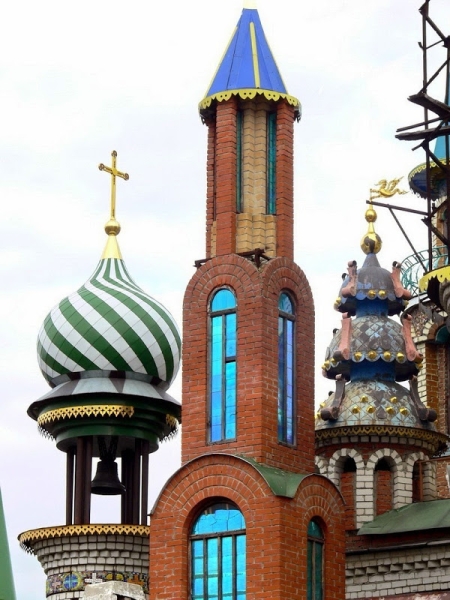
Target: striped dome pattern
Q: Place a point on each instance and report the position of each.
(110, 324)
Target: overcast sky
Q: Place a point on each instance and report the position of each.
(81, 79)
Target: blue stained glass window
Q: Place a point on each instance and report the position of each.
(222, 409)
(271, 163)
(315, 562)
(286, 372)
(218, 554)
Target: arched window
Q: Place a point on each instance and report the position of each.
(218, 554)
(286, 414)
(222, 406)
(315, 562)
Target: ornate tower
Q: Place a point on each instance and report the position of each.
(7, 590)
(246, 510)
(373, 435)
(109, 353)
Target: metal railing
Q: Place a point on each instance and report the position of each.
(412, 267)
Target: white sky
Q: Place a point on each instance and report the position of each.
(81, 79)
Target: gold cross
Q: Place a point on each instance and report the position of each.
(114, 173)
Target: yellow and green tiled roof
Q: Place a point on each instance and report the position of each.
(109, 324)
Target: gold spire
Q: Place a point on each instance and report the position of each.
(112, 227)
(371, 242)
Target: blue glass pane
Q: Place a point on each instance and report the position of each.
(216, 378)
(223, 300)
(212, 545)
(219, 518)
(309, 572)
(230, 336)
(227, 568)
(241, 567)
(281, 377)
(285, 304)
(230, 400)
(289, 392)
(197, 570)
(318, 548)
(314, 530)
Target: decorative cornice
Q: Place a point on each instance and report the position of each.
(442, 274)
(433, 437)
(249, 94)
(28, 538)
(93, 410)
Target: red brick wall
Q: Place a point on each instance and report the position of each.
(285, 180)
(257, 293)
(210, 183)
(383, 492)
(348, 493)
(275, 526)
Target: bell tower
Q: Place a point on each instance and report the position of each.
(246, 497)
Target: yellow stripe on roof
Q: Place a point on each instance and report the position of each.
(255, 56)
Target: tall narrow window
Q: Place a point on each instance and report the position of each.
(218, 554)
(271, 208)
(222, 409)
(315, 562)
(239, 157)
(286, 414)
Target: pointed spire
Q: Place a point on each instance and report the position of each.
(248, 67)
(7, 591)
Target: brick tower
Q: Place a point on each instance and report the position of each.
(246, 516)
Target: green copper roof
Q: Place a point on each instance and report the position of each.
(7, 591)
(109, 324)
(282, 483)
(413, 517)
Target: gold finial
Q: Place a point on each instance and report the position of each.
(371, 242)
(112, 227)
(249, 3)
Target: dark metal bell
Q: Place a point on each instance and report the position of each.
(106, 481)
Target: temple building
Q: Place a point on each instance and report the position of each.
(274, 499)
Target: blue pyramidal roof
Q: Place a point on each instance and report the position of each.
(248, 67)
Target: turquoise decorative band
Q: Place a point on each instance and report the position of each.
(75, 581)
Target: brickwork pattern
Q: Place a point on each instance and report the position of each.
(92, 553)
(398, 484)
(257, 293)
(275, 527)
(402, 571)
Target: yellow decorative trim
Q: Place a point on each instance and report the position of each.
(435, 438)
(255, 56)
(94, 410)
(172, 421)
(27, 538)
(442, 274)
(248, 94)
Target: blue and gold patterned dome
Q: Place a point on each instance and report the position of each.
(248, 68)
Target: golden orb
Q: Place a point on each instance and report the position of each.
(372, 354)
(394, 399)
(371, 215)
(364, 399)
(112, 227)
(382, 294)
(357, 356)
(387, 355)
(326, 365)
(372, 294)
(355, 409)
(400, 356)
(403, 411)
(390, 410)
(370, 409)
(337, 301)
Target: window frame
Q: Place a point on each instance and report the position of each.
(313, 542)
(224, 361)
(282, 405)
(234, 534)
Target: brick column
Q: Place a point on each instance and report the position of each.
(285, 180)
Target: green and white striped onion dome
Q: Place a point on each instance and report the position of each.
(110, 324)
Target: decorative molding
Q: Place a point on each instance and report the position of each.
(28, 538)
(93, 410)
(75, 581)
(248, 94)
